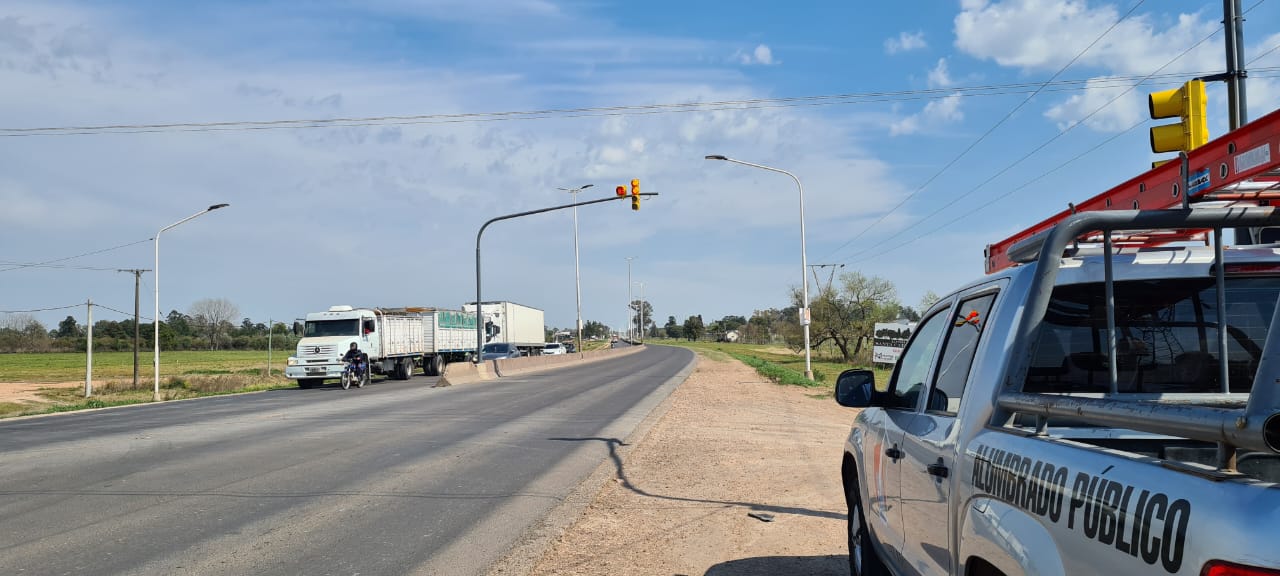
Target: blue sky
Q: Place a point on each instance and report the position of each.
(387, 214)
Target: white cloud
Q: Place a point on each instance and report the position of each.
(762, 55)
(939, 77)
(1047, 34)
(905, 42)
(935, 114)
(1110, 116)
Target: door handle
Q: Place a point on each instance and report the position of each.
(893, 452)
(937, 470)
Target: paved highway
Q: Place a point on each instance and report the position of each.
(395, 478)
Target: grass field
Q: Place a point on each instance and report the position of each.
(66, 367)
(776, 362)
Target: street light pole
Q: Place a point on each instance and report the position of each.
(804, 259)
(577, 277)
(155, 396)
(630, 302)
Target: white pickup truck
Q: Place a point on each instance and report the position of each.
(394, 340)
(1105, 401)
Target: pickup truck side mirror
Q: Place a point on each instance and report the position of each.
(855, 388)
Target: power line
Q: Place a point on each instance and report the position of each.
(46, 262)
(41, 309)
(989, 131)
(59, 266)
(1037, 149)
(128, 314)
(747, 104)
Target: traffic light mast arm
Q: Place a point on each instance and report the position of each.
(480, 234)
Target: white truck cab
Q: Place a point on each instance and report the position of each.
(392, 341)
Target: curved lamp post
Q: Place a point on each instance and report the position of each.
(156, 320)
(804, 260)
(577, 277)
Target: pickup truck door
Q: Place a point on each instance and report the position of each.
(886, 472)
(929, 442)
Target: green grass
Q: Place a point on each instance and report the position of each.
(778, 363)
(66, 367)
(184, 375)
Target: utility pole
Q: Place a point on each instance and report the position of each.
(88, 346)
(1237, 102)
(137, 334)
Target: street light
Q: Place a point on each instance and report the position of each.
(804, 260)
(577, 277)
(156, 320)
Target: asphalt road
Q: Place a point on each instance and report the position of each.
(396, 478)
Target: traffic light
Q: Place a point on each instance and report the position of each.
(1187, 103)
(635, 194)
(621, 191)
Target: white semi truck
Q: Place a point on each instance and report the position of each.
(513, 323)
(450, 337)
(393, 339)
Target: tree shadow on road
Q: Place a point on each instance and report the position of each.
(833, 565)
(614, 444)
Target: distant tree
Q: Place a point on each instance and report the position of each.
(731, 323)
(694, 328)
(179, 324)
(643, 316)
(68, 328)
(672, 328)
(927, 300)
(908, 313)
(846, 314)
(593, 329)
(212, 319)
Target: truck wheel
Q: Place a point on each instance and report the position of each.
(403, 367)
(437, 365)
(306, 383)
(863, 559)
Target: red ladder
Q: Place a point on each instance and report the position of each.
(1241, 166)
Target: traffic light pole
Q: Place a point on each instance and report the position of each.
(479, 315)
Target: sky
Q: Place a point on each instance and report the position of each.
(921, 132)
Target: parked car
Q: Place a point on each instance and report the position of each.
(499, 351)
(553, 348)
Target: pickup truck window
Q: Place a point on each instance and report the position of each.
(957, 356)
(1167, 336)
(914, 364)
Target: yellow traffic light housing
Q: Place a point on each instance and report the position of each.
(1187, 103)
(635, 194)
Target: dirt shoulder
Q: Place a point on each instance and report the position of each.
(730, 444)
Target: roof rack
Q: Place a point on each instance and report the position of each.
(1242, 167)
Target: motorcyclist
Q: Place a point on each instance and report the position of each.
(355, 356)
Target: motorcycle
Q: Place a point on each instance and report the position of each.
(354, 373)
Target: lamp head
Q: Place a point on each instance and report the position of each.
(217, 206)
(717, 157)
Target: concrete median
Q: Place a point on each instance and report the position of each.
(466, 372)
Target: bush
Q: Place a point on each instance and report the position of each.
(776, 373)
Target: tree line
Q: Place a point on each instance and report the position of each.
(208, 324)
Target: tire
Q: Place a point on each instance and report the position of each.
(308, 383)
(363, 379)
(404, 369)
(437, 365)
(347, 377)
(863, 558)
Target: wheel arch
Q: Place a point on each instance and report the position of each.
(998, 539)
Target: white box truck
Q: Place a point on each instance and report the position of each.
(513, 323)
(394, 339)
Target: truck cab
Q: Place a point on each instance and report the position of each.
(326, 337)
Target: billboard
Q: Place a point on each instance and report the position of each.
(889, 340)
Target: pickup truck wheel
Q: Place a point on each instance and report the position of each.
(863, 560)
